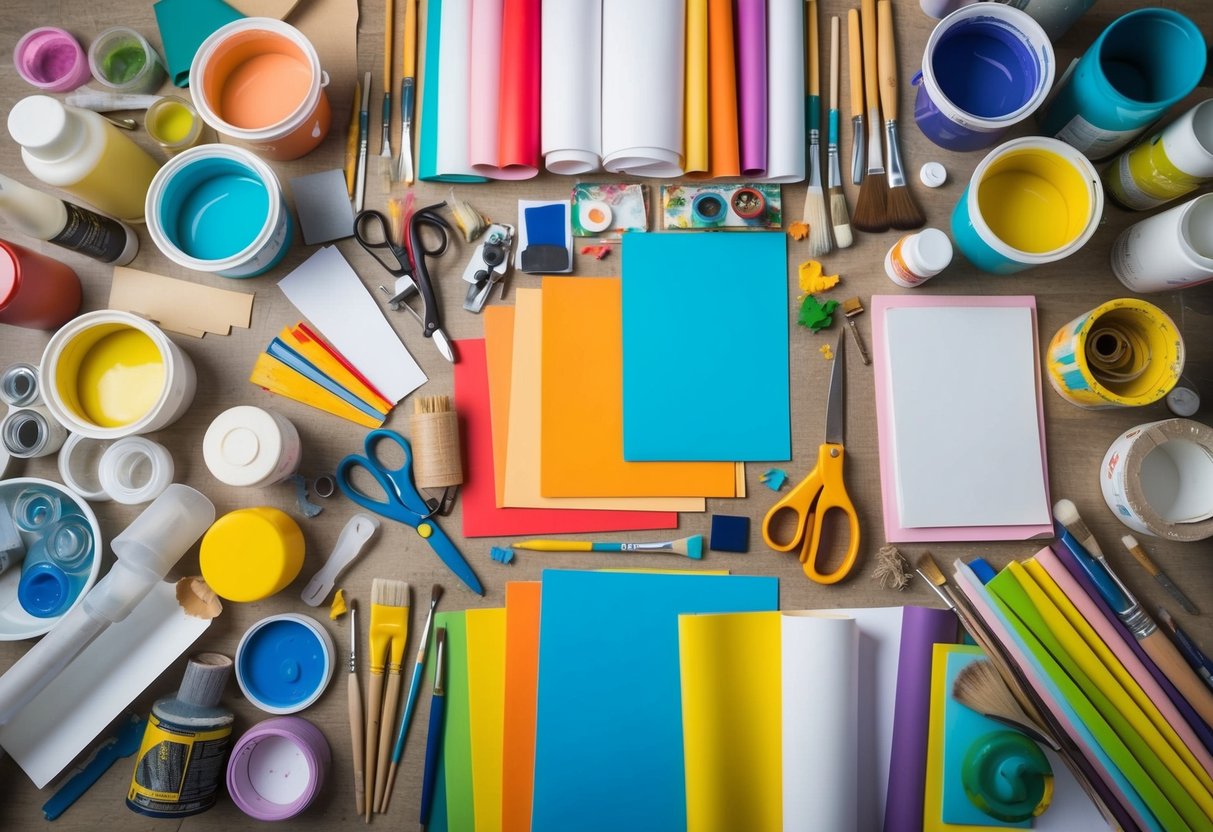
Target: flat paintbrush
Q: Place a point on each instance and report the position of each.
(870, 208)
(357, 738)
(364, 117)
(386, 635)
(852, 307)
(408, 93)
(385, 140)
(1151, 567)
(901, 210)
(839, 213)
(855, 63)
(815, 216)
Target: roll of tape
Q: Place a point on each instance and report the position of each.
(135, 470)
(80, 466)
(1158, 479)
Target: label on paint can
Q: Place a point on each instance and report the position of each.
(1145, 178)
(92, 234)
(1094, 142)
(177, 771)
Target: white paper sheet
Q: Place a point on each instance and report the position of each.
(643, 64)
(47, 734)
(326, 290)
(786, 91)
(965, 428)
(571, 95)
(820, 721)
(454, 52)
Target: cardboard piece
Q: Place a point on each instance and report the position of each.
(323, 206)
(180, 306)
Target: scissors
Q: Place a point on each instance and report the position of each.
(822, 490)
(408, 264)
(403, 502)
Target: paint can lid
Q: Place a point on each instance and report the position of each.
(933, 174)
(251, 553)
(243, 445)
(284, 662)
(1183, 401)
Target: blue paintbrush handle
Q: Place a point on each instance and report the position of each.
(432, 745)
(1104, 582)
(812, 112)
(409, 705)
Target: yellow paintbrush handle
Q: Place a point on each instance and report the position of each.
(555, 545)
(408, 56)
(388, 25)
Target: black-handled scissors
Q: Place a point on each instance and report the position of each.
(408, 264)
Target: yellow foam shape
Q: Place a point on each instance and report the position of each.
(1034, 200)
(486, 704)
(273, 375)
(732, 721)
(297, 339)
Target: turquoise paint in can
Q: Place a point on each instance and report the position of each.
(220, 209)
(1140, 65)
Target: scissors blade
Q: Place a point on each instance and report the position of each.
(443, 344)
(836, 399)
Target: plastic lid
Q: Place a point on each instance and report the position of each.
(44, 591)
(242, 446)
(932, 250)
(10, 274)
(1007, 776)
(44, 127)
(933, 174)
(284, 663)
(251, 553)
(1183, 401)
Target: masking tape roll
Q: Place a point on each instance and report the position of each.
(1124, 353)
(436, 458)
(1158, 479)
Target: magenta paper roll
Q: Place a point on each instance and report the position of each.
(921, 629)
(752, 85)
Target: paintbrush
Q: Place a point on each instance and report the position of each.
(364, 118)
(839, 212)
(852, 307)
(691, 547)
(352, 138)
(433, 740)
(855, 61)
(388, 630)
(408, 91)
(870, 208)
(411, 702)
(1131, 613)
(385, 141)
(355, 702)
(901, 210)
(815, 216)
(980, 687)
(1191, 651)
(1151, 567)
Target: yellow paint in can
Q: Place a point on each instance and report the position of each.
(1034, 200)
(172, 123)
(111, 375)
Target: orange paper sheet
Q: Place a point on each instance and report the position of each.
(521, 693)
(499, 349)
(582, 438)
(722, 91)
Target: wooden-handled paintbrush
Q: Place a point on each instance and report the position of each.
(839, 213)
(389, 628)
(870, 207)
(815, 216)
(855, 62)
(901, 210)
(354, 695)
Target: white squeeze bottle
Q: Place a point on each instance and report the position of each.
(64, 224)
(82, 153)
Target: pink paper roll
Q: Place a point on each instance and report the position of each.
(752, 86)
(484, 72)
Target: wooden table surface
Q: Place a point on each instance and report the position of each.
(1076, 438)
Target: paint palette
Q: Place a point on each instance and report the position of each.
(720, 206)
(15, 622)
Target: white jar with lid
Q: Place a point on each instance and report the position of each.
(249, 446)
(916, 258)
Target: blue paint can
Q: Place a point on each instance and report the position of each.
(986, 67)
(218, 208)
(1140, 65)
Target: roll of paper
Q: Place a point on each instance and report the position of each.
(722, 88)
(451, 139)
(484, 82)
(518, 93)
(697, 155)
(571, 35)
(752, 77)
(785, 91)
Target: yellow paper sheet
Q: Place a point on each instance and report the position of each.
(932, 803)
(499, 354)
(486, 702)
(697, 87)
(273, 375)
(180, 305)
(582, 439)
(298, 340)
(731, 707)
(523, 451)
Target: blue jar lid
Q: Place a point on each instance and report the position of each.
(44, 590)
(284, 663)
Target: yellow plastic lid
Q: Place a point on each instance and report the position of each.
(251, 553)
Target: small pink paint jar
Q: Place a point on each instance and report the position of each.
(51, 59)
(278, 768)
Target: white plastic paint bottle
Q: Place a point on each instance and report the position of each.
(916, 258)
(78, 229)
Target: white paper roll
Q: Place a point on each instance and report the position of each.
(786, 91)
(643, 64)
(454, 51)
(820, 721)
(571, 93)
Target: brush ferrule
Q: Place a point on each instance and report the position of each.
(835, 174)
(385, 148)
(896, 173)
(664, 546)
(857, 165)
(875, 143)
(1138, 621)
(814, 158)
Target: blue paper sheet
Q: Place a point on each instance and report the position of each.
(608, 738)
(705, 347)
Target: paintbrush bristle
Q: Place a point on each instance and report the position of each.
(692, 546)
(929, 569)
(818, 220)
(980, 687)
(435, 595)
(841, 215)
(1066, 513)
(870, 207)
(903, 213)
(852, 307)
(1130, 542)
(389, 593)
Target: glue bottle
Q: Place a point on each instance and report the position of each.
(183, 756)
(82, 153)
(916, 258)
(64, 224)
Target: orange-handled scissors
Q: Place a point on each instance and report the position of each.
(823, 490)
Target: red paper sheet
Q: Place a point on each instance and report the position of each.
(481, 517)
(518, 130)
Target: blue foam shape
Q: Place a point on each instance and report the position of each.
(546, 225)
(730, 533)
(608, 737)
(705, 347)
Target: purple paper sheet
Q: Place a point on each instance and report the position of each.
(752, 85)
(921, 629)
(1067, 557)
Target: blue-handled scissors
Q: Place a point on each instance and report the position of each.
(403, 502)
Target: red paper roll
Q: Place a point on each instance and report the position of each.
(518, 131)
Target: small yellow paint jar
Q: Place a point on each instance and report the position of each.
(251, 553)
(174, 124)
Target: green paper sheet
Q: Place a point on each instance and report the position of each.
(457, 732)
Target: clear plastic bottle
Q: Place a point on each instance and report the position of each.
(48, 218)
(82, 153)
(57, 567)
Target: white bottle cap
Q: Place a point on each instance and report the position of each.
(44, 127)
(933, 174)
(930, 250)
(1183, 401)
(245, 446)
